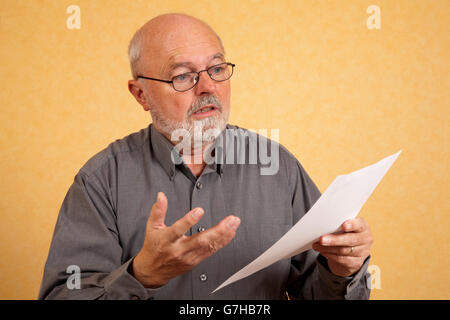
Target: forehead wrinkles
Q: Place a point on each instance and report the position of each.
(190, 53)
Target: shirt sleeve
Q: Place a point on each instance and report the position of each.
(310, 277)
(85, 257)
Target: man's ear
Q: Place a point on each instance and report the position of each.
(137, 91)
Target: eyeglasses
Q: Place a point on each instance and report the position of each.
(186, 81)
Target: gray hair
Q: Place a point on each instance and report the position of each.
(134, 51)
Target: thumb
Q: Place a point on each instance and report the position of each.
(158, 212)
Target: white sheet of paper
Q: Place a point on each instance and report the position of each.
(342, 200)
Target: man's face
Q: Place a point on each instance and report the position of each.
(191, 47)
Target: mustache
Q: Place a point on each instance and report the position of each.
(204, 101)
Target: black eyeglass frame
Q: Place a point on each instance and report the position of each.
(198, 75)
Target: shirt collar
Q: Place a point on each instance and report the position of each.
(169, 157)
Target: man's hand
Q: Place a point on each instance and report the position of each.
(167, 252)
(347, 251)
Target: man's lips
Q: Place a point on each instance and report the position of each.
(205, 111)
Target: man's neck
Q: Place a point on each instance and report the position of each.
(196, 169)
(195, 161)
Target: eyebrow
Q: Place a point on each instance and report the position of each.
(190, 64)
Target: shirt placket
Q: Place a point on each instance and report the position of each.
(201, 275)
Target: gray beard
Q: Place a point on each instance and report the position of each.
(197, 137)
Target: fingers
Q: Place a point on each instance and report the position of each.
(354, 240)
(167, 252)
(207, 242)
(347, 249)
(353, 251)
(355, 225)
(158, 212)
(181, 226)
(345, 239)
(356, 233)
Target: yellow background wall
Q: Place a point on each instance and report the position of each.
(343, 97)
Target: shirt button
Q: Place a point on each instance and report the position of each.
(199, 185)
(201, 229)
(203, 277)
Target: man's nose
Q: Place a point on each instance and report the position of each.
(205, 84)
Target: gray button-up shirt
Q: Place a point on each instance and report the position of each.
(101, 224)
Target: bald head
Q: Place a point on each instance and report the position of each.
(164, 34)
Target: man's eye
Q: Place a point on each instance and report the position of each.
(218, 69)
(181, 77)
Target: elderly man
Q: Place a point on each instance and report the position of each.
(144, 220)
